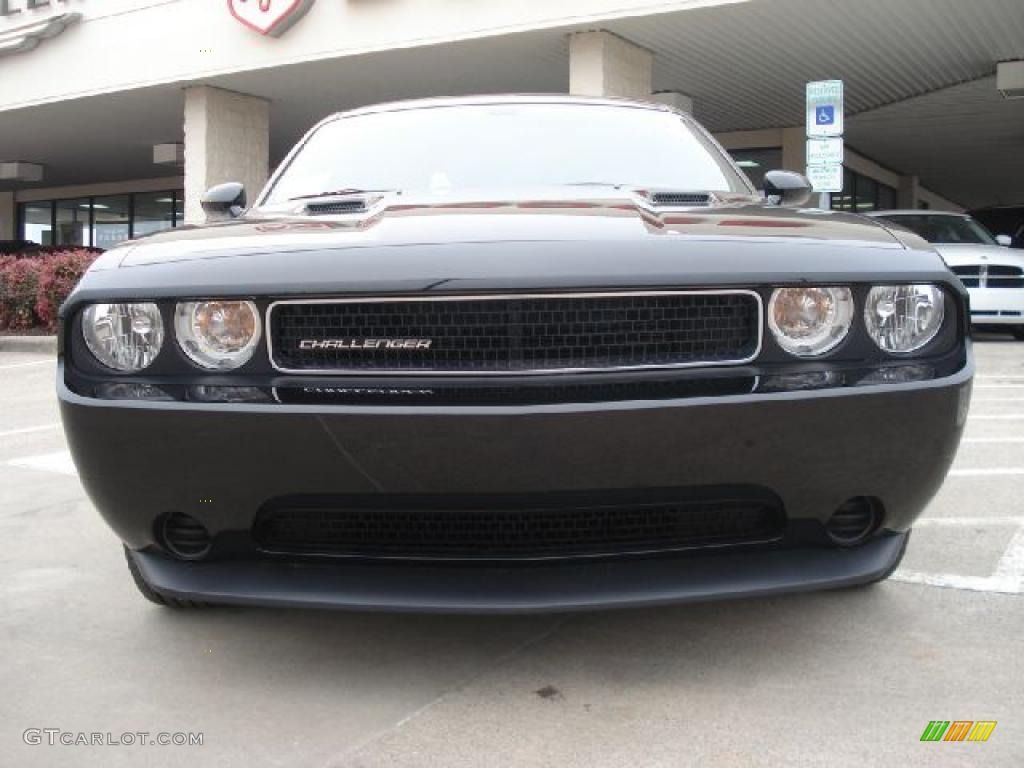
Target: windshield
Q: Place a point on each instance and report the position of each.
(443, 149)
(944, 229)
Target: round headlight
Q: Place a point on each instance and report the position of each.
(219, 335)
(810, 321)
(125, 337)
(903, 318)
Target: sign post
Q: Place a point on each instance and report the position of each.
(825, 124)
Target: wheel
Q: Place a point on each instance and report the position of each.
(151, 594)
(895, 564)
(1018, 332)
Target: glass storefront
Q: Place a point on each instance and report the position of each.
(72, 222)
(862, 193)
(111, 217)
(154, 211)
(36, 222)
(757, 162)
(100, 222)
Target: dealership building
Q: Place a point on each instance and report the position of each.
(115, 115)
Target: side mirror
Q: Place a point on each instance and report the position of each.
(225, 199)
(1004, 240)
(788, 188)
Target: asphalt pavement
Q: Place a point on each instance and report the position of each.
(851, 677)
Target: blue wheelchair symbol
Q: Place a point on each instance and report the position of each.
(825, 115)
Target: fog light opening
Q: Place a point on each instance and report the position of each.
(854, 520)
(184, 536)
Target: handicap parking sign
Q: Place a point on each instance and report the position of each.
(825, 108)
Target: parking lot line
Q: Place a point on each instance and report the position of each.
(59, 462)
(1002, 520)
(993, 440)
(986, 471)
(995, 416)
(26, 365)
(29, 430)
(1008, 576)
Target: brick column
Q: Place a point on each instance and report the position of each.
(227, 138)
(7, 222)
(603, 64)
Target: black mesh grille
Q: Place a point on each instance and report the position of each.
(681, 198)
(518, 334)
(479, 532)
(336, 207)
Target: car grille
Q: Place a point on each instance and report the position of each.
(502, 334)
(990, 276)
(571, 391)
(482, 528)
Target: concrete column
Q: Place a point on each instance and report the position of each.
(794, 149)
(227, 138)
(603, 64)
(7, 210)
(909, 192)
(675, 99)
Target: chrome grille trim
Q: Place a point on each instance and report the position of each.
(511, 296)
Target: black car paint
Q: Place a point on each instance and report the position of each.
(222, 462)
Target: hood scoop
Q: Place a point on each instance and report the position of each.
(681, 199)
(335, 207)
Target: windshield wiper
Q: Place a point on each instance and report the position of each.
(339, 193)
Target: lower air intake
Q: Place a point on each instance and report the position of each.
(506, 528)
(184, 536)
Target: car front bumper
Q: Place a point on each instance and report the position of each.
(221, 463)
(997, 306)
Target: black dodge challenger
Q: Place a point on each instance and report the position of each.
(513, 354)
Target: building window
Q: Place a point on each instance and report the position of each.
(154, 212)
(862, 194)
(36, 223)
(73, 223)
(100, 222)
(756, 162)
(111, 220)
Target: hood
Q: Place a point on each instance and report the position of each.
(549, 215)
(964, 254)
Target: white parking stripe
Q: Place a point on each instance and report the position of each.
(993, 440)
(1008, 576)
(991, 471)
(967, 521)
(1007, 579)
(59, 462)
(999, 386)
(997, 400)
(26, 365)
(995, 416)
(996, 377)
(29, 430)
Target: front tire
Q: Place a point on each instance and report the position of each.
(153, 595)
(1018, 332)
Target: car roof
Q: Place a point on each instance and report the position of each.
(504, 98)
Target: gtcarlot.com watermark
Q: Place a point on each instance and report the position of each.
(56, 737)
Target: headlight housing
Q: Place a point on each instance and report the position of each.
(217, 334)
(810, 321)
(125, 337)
(903, 318)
